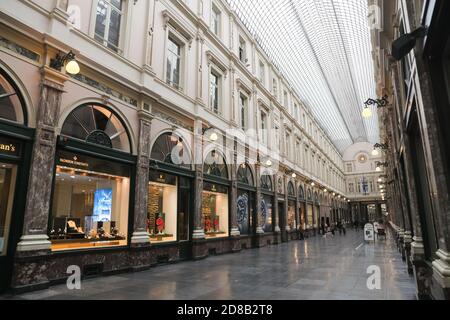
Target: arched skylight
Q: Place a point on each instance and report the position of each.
(323, 48)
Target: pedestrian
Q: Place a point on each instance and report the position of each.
(339, 226)
(343, 229)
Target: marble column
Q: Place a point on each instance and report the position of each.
(140, 233)
(37, 208)
(287, 228)
(32, 259)
(199, 248)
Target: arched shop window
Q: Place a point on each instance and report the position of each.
(266, 183)
(215, 196)
(301, 193)
(291, 190)
(170, 149)
(266, 203)
(12, 152)
(215, 165)
(244, 175)
(91, 193)
(164, 212)
(99, 125)
(11, 103)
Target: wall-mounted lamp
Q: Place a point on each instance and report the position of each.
(212, 136)
(403, 45)
(380, 103)
(58, 62)
(381, 164)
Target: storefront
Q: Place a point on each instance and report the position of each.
(215, 197)
(246, 199)
(311, 224)
(15, 152)
(170, 195)
(93, 186)
(281, 217)
(292, 219)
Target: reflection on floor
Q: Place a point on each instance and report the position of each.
(318, 268)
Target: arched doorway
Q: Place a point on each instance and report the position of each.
(93, 182)
(15, 153)
(170, 195)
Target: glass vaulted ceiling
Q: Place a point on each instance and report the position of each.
(323, 48)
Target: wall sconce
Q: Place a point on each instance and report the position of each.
(380, 103)
(381, 164)
(213, 136)
(58, 62)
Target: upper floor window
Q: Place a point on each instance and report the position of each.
(349, 167)
(288, 146)
(262, 72)
(351, 188)
(243, 104)
(263, 127)
(242, 50)
(173, 63)
(214, 87)
(108, 23)
(275, 87)
(215, 20)
(286, 99)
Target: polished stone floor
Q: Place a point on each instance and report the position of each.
(318, 268)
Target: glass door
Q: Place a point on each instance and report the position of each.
(8, 174)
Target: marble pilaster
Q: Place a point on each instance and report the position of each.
(37, 206)
(140, 234)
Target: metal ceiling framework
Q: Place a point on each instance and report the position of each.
(323, 48)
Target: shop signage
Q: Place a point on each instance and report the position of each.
(164, 178)
(214, 188)
(87, 163)
(9, 147)
(369, 232)
(74, 161)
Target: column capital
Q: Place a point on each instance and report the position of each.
(53, 78)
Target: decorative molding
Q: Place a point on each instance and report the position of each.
(212, 58)
(169, 18)
(104, 88)
(172, 120)
(12, 46)
(241, 85)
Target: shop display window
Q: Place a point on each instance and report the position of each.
(266, 213)
(7, 185)
(302, 216)
(316, 216)
(162, 207)
(243, 212)
(215, 210)
(90, 203)
(309, 213)
(292, 223)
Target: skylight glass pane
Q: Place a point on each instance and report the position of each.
(323, 48)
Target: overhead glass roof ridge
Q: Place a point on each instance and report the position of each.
(323, 49)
